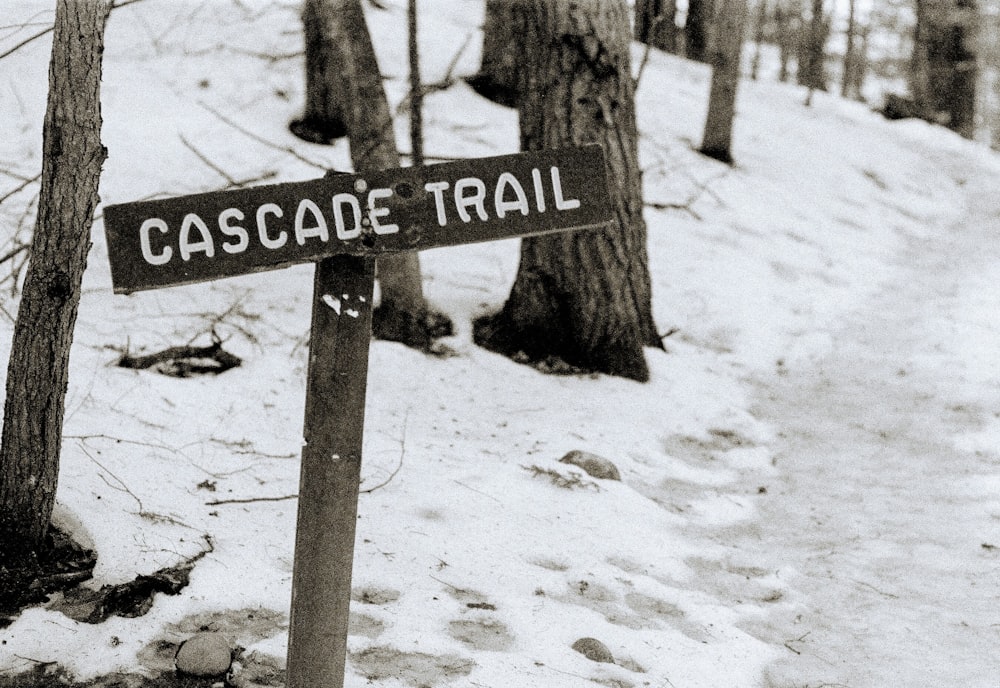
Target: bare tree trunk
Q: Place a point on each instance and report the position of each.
(502, 60)
(787, 33)
(698, 29)
(403, 314)
(725, 60)
(850, 58)
(758, 38)
(654, 23)
(582, 296)
(813, 73)
(323, 120)
(416, 89)
(943, 72)
(38, 373)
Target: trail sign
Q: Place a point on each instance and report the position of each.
(343, 222)
(206, 236)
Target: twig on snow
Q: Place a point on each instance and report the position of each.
(251, 500)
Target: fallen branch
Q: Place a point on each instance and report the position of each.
(251, 500)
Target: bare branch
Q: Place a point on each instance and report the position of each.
(47, 30)
(251, 500)
(261, 140)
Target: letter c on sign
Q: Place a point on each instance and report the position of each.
(161, 258)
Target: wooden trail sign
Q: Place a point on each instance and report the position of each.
(201, 237)
(343, 222)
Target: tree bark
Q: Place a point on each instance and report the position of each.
(38, 373)
(725, 59)
(581, 296)
(654, 23)
(501, 63)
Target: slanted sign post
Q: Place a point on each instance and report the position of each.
(343, 222)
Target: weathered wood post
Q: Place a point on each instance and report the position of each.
(342, 222)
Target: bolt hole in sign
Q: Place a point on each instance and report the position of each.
(153, 244)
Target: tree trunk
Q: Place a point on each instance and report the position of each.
(38, 373)
(581, 296)
(725, 59)
(698, 29)
(813, 73)
(787, 37)
(416, 88)
(324, 120)
(403, 314)
(943, 72)
(850, 58)
(502, 59)
(654, 23)
(758, 38)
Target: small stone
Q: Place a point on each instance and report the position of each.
(204, 654)
(594, 465)
(594, 650)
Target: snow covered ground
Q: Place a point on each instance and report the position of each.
(810, 478)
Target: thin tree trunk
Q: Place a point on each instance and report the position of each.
(725, 59)
(38, 373)
(758, 38)
(581, 296)
(787, 32)
(813, 75)
(416, 89)
(847, 78)
(654, 23)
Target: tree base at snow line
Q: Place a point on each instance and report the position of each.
(314, 130)
(492, 91)
(720, 154)
(28, 578)
(539, 347)
(417, 330)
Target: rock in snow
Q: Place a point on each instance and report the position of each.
(204, 654)
(594, 650)
(595, 466)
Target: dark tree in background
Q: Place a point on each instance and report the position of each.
(760, 26)
(323, 119)
(698, 29)
(502, 59)
(350, 62)
(38, 373)
(812, 72)
(654, 23)
(725, 60)
(583, 297)
(787, 17)
(943, 71)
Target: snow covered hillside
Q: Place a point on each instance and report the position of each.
(809, 480)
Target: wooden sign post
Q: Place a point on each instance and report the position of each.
(343, 222)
